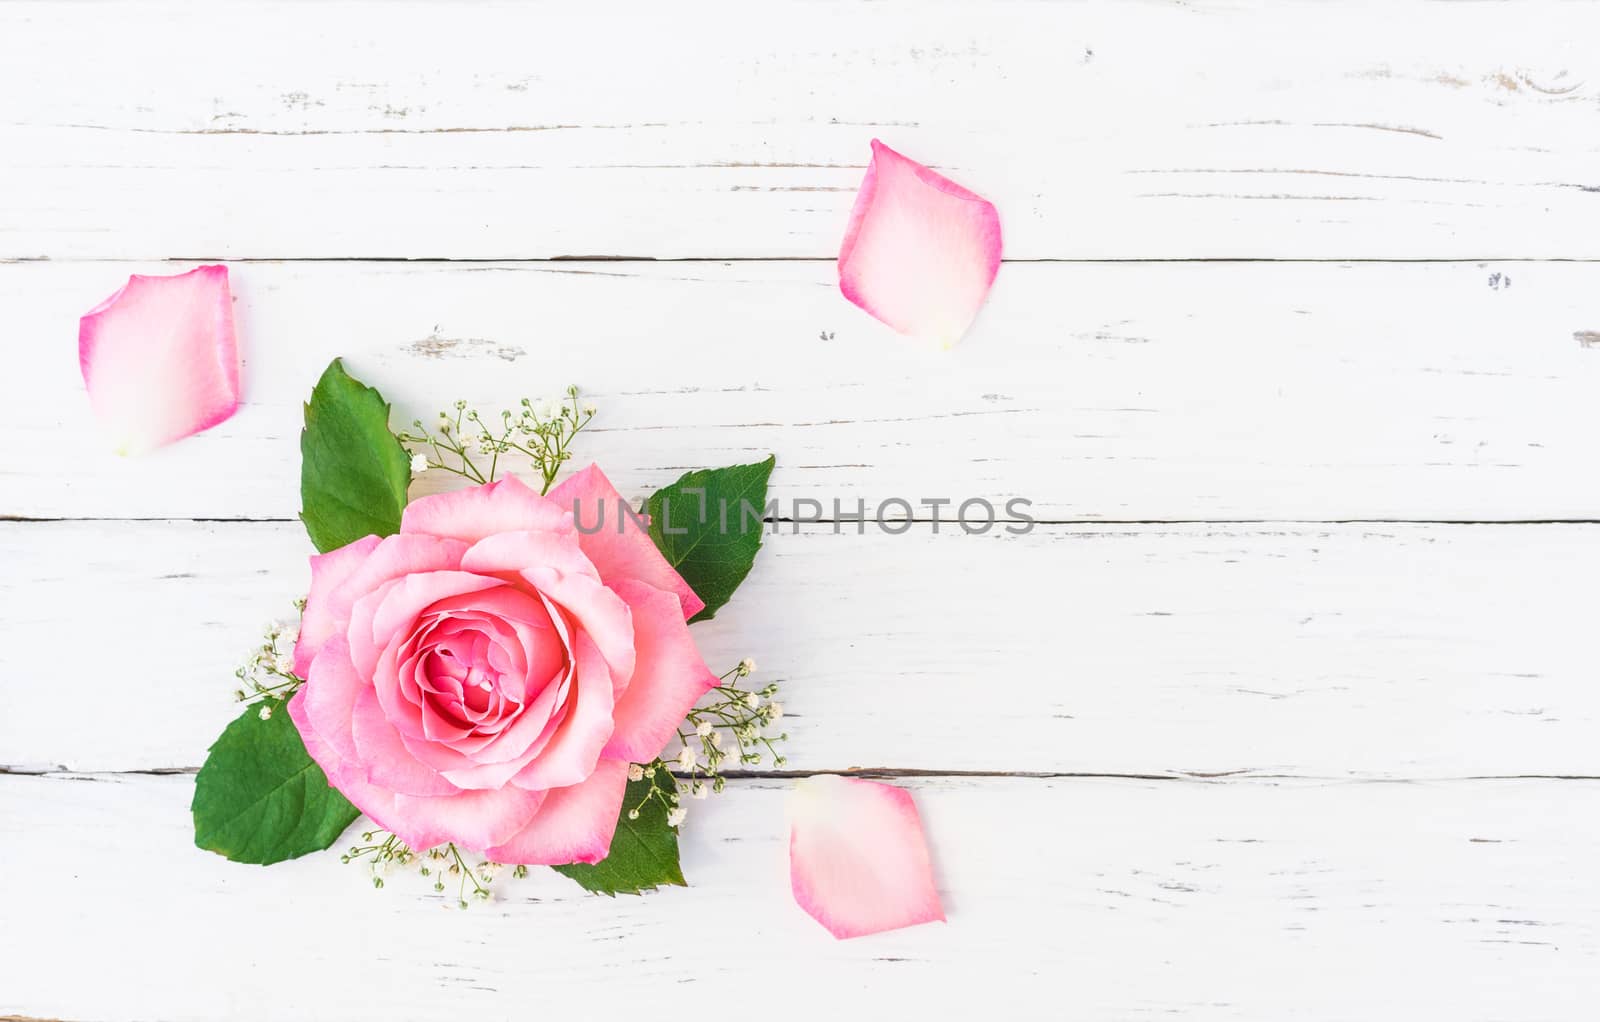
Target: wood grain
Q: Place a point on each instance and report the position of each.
(1366, 779)
(1099, 898)
(1373, 651)
(1102, 130)
(1127, 392)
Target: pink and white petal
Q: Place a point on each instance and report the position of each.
(668, 679)
(393, 557)
(376, 802)
(920, 252)
(329, 696)
(858, 861)
(615, 542)
(575, 824)
(510, 553)
(472, 819)
(596, 611)
(388, 613)
(159, 358)
(328, 572)
(575, 747)
(385, 758)
(488, 775)
(479, 511)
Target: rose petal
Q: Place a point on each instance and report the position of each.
(598, 612)
(380, 751)
(159, 358)
(510, 553)
(376, 802)
(379, 619)
(473, 819)
(920, 251)
(575, 824)
(472, 514)
(629, 553)
(330, 693)
(575, 747)
(858, 862)
(328, 606)
(328, 571)
(668, 677)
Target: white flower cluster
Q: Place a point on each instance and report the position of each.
(440, 865)
(269, 672)
(729, 731)
(542, 431)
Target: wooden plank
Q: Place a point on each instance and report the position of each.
(1077, 899)
(1102, 130)
(1371, 651)
(1121, 392)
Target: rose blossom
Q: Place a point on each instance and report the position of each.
(486, 676)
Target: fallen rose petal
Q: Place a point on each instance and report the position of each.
(858, 862)
(920, 252)
(159, 358)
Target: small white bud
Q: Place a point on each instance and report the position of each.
(703, 728)
(774, 712)
(635, 772)
(266, 712)
(676, 816)
(698, 791)
(588, 409)
(753, 700)
(419, 464)
(747, 666)
(687, 759)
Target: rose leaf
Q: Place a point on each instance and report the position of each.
(260, 798)
(708, 525)
(353, 472)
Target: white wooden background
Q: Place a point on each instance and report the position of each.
(1287, 708)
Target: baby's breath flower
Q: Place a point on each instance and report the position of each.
(676, 816)
(269, 671)
(436, 864)
(729, 730)
(635, 772)
(459, 442)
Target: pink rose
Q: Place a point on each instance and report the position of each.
(487, 675)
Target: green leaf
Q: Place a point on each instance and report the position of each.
(644, 852)
(701, 525)
(260, 798)
(353, 471)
